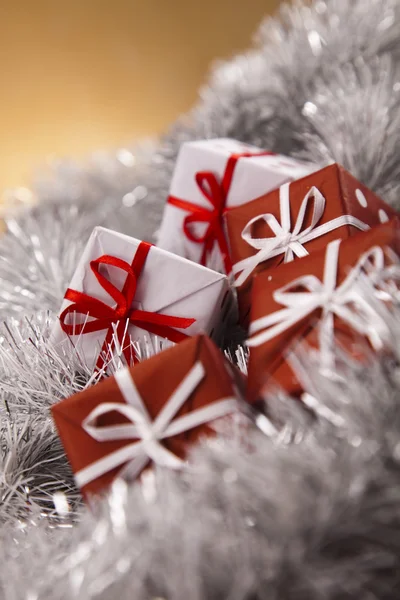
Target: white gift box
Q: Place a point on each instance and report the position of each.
(168, 285)
(252, 177)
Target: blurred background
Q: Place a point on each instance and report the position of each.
(81, 75)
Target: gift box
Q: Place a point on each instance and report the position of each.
(126, 289)
(151, 413)
(211, 176)
(299, 218)
(319, 300)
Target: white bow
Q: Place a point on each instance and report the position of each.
(147, 433)
(346, 301)
(287, 242)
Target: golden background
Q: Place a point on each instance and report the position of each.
(78, 75)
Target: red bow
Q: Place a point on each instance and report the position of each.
(216, 193)
(105, 316)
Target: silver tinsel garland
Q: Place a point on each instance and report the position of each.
(308, 509)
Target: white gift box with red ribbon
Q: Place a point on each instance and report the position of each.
(126, 289)
(211, 176)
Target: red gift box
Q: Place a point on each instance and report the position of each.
(326, 289)
(152, 412)
(296, 219)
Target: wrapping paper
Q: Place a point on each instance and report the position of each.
(268, 362)
(168, 284)
(343, 195)
(170, 367)
(252, 177)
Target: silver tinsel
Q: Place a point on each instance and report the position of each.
(308, 509)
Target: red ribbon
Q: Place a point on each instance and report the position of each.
(216, 192)
(105, 316)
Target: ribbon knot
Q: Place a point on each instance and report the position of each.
(105, 317)
(327, 301)
(287, 239)
(284, 241)
(215, 191)
(347, 301)
(147, 433)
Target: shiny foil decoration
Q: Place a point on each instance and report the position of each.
(310, 509)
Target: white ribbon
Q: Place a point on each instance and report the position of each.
(346, 301)
(147, 433)
(386, 279)
(287, 242)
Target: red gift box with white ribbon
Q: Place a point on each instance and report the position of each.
(130, 421)
(319, 300)
(295, 220)
(210, 177)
